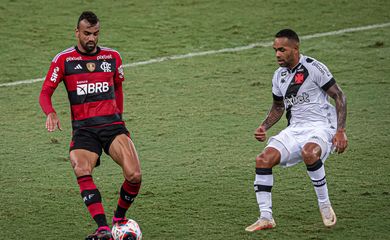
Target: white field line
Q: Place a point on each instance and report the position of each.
(224, 50)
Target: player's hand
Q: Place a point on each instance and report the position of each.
(52, 122)
(340, 141)
(261, 133)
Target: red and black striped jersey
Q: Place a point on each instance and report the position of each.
(94, 86)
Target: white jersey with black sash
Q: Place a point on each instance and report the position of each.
(303, 90)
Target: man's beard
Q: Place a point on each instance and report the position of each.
(89, 46)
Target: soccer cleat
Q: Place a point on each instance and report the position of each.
(118, 220)
(328, 215)
(261, 224)
(102, 233)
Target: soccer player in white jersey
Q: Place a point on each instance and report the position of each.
(301, 86)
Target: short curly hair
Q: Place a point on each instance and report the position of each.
(89, 16)
(288, 33)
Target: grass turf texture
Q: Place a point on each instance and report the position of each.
(192, 120)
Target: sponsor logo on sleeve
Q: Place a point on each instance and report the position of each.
(321, 68)
(54, 75)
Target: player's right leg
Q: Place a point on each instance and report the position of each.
(83, 163)
(263, 185)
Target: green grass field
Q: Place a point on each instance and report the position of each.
(192, 120)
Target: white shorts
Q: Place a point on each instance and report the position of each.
(291, 140)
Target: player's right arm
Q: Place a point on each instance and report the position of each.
(276, 111)
(274, 114)
(53, 78)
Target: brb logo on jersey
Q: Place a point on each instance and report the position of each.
(89, 88)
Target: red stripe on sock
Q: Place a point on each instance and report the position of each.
(86, 183)
(132, 188)
(123, 204)
(95, 209)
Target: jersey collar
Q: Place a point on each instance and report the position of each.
(88, 54)
(298, 65)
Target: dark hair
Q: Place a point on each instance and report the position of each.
(288, 33)
(89, 16)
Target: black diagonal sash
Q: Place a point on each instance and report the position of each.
(300, 76)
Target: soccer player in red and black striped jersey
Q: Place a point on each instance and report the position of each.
(93, 77)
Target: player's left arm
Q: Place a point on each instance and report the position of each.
(340, 140)
(119, 96)
(118, 79)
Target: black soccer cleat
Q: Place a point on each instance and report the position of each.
(102, 234)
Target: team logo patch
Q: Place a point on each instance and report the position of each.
(299, 78)
(120, 71)
(105, 66)
(91, 66)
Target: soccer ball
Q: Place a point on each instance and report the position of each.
(126, 230)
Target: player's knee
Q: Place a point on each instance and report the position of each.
(133, 176)
(264, 161)
(309, 155)
(268, 158)
(80, 168)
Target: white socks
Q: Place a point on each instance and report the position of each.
(316, 173)
(263, 184)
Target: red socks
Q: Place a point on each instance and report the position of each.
(92, 199)
(127, 195)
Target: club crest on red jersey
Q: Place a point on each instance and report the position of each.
(91, 66)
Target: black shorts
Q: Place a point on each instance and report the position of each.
(95, 139)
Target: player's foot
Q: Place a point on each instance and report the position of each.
(102, 233)
(261, 224)
(328, 215)
(118, 220)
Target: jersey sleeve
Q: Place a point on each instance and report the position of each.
(53, 78)
(118, 79)
(276, 93)
(324, 78)
(119, 73)
(55, 74)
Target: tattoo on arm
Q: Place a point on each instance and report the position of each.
(341, 105)
(274, 114)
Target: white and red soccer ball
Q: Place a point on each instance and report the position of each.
(129, 230)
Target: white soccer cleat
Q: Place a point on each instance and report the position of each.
(261, 224)
(328, 215)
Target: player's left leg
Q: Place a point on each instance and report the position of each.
(123, 152)
(312, 154)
